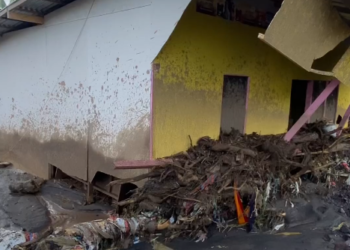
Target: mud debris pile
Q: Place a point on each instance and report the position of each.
(231, 182)
(235, 180)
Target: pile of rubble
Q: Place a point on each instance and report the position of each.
(231, 182)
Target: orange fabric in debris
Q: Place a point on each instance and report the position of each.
(242, 219)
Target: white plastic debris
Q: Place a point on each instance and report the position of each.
(288, 201)
(136, 240)
(330, 127)
(172, 219)
(295, 188)
(278, 227)
(267, 192)
(347, 242)
(9, 239)
(201, 237)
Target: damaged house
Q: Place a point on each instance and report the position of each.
(88, 83)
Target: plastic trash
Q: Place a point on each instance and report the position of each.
(278, 227)
(330, 127)
(136, 240)
(9, 238)
(348, 181)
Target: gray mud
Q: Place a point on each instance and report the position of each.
(59, 205)
(56, 205)
(20, 211)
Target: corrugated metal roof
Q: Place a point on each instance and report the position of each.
(27, 8)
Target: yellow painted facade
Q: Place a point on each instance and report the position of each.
(188, 84)
(343, 99)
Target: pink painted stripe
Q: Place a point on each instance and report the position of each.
(344, 120)
(151, 117)
(311, 110)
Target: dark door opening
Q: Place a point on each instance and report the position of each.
(234, 99)
(327, 111)
(318, 87)
(297, 101)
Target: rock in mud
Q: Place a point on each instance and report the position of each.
(25, 187)
(5, 164)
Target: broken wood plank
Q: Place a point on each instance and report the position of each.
(141, 164)
(25, 18)
(220, 147)
(134, 179)
(309, 137)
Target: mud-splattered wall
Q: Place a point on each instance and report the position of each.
(76, 91)
(188, 85)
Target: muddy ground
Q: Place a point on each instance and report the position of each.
(32, 212)
(310, 222)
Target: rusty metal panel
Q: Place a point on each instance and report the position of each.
(306, 30)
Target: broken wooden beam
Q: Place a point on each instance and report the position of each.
(25, 18)
(141, 164)
(311, 110)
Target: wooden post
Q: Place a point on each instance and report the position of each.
(311, 110)
(89, 193)
(344, 120)
(25, 18)
(309, 91)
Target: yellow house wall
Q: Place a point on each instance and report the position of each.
(188, 84)
(343, 99)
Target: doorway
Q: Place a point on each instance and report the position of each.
(303, 92)
(328, 110)
(234, 103)
(297, 101)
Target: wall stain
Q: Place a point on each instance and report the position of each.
(70, 155)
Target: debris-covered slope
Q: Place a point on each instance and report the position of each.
(231, 182)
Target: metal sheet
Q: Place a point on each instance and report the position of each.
(320, 29)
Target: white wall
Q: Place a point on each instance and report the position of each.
(83, 77)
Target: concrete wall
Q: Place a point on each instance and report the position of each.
(188, 85)
(77, 90)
